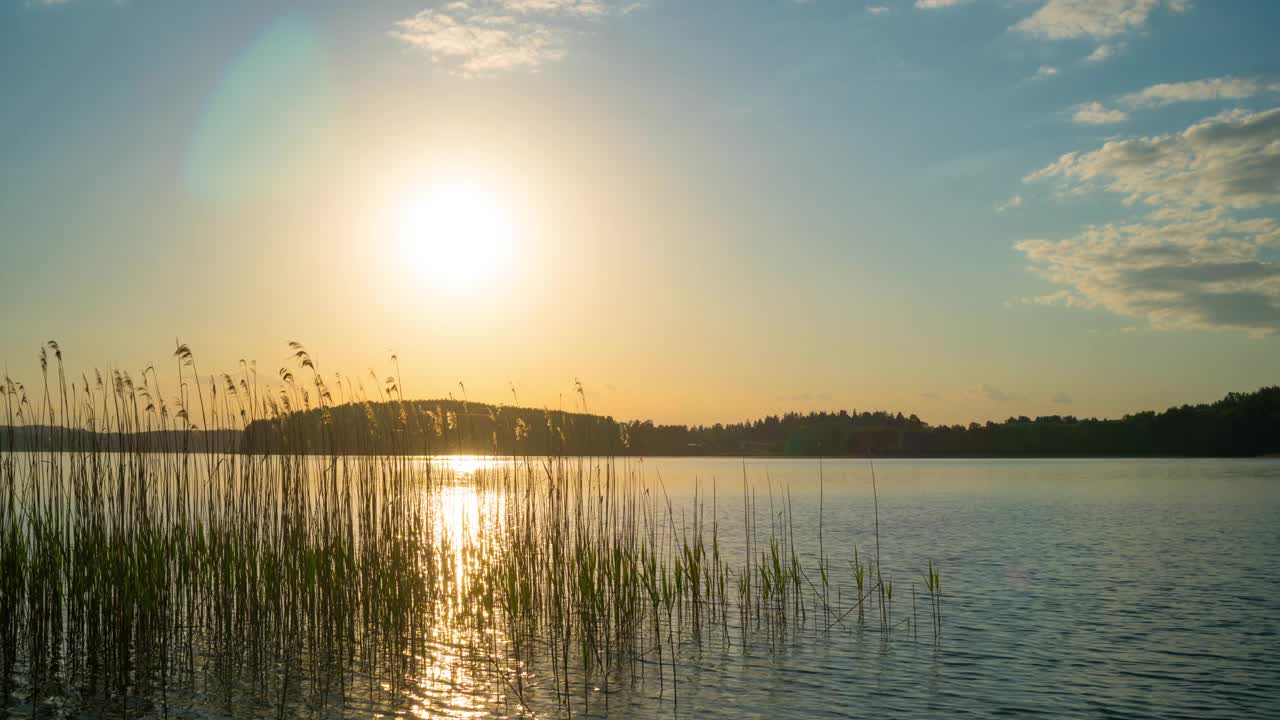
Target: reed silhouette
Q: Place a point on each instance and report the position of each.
(153, 573)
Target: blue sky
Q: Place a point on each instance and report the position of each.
(967, 210)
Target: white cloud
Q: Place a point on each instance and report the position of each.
(1103, 52)
(1223, 88)
(1189, 262)
(581, 8)
(1231, 160)
(1061, 19)
(1096, 113)
(1046, 71)
(1010, 204)
(1202, 271)
(936, 4)
(482, 37)
(878, 9)
(1156, 96)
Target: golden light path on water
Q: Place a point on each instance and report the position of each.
(457, 673)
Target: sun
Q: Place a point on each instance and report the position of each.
(456, 235)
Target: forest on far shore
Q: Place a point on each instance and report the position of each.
(1239, 425)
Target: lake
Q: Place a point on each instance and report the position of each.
(1074, 588)
(1070, 588)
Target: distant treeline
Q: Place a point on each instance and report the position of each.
(1241, 424)
(45, 438)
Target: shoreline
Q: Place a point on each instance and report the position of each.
(163, 451)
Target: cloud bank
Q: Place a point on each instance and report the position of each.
(1229, 161)
(484, 37)
(1196, 259)
(1098, 19)
(1101, 20)
(1165, 94)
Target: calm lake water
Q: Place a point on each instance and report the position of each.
(1073, 588)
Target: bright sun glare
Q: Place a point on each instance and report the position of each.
(456, 235)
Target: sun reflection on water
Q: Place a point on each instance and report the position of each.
(465, 467)
(456, 677)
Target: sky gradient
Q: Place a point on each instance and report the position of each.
(717, 210)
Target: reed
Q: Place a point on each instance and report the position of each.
(152, 563)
